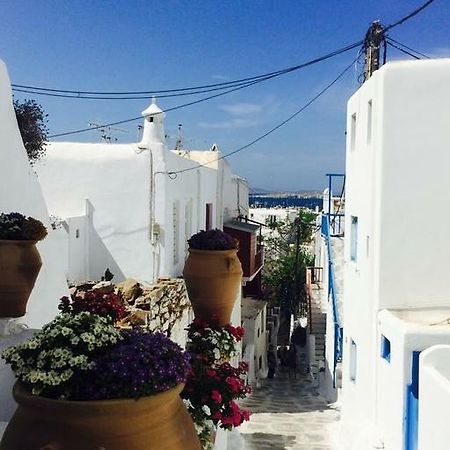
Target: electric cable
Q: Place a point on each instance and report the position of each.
(403, 51)
(272, 130)
(409, 16)
(223, 85)
(406, 47)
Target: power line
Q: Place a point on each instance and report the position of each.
(409, 16)
(184, 105)
(272, 130)
(223, 85)
(407, 48)
(403, 51)
(198, 90)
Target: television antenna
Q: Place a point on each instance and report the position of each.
(106, 131)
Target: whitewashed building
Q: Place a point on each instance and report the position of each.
(132, 207)
(396, 303)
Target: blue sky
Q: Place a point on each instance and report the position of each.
(145, 45)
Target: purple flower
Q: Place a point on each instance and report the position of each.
(141, 364)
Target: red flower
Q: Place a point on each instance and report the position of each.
(215, 395)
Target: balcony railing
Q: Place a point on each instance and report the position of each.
(313, 275)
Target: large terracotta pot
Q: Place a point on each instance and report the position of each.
(213, 280)
(158, 422)
(20, 264)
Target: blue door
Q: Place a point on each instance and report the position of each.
(412, 405)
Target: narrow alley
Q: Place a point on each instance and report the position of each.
(289, 415)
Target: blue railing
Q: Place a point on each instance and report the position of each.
(325, 231)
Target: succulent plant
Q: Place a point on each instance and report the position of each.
(15, 226)
(213, 240)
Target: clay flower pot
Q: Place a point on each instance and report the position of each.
(157, 422)
(213, 280)
(20, 264)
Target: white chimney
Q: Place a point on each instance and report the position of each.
(153, 126)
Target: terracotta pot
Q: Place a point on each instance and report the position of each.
(157, 422)
(20, 264)
(213, 280)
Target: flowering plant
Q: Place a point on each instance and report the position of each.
(140, 364)
(61, 352)
(213, 240)
(213, 341)
(15, 226)
(106, 304)
(213, 384)
(80, 355)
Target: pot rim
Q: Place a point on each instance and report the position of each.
(108, 406)
(18, 241)
(212, 252)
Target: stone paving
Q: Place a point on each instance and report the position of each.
(288, 415)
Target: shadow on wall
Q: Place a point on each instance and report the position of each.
(101, 259)
(263, 441)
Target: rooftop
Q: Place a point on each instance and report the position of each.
(250, 308)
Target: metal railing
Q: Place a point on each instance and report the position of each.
(325, 231)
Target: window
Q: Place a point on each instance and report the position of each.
(353, 356)
(369, 122)
(353, 132)
(354, 239)
(259, 332)
(260, 362)
(385, 348)
(77, 233)
(176, 226)
(208, 222)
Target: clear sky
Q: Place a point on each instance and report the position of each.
(121, 45)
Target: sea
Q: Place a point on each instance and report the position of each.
(284, 202)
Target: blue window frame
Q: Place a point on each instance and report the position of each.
(385, 348)
(354, 239)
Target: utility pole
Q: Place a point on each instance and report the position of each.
(375, 38)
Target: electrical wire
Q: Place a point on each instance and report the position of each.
(409, 16)
(194, 91)
(407, 48)
(223, 85)
(272, 130)
(403, 51)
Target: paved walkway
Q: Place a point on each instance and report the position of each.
(288, 415)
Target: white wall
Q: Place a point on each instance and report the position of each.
(396, 176)
(20, 192)
(434, 387)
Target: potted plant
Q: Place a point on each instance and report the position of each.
(20, 261)
(213, 274)
(85, 384)
(213, 384)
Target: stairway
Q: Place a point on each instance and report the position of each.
(318, 324)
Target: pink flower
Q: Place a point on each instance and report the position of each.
(233, 383)
(215, 395)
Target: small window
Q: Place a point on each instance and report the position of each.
(354, 239)
(260, 362)
(77, 233)
(259, 332)
(385, 348)
(150, 119)
(262, 321)
(353, 132)
(353, 356)
(369, 122)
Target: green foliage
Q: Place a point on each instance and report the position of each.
(32, 122)
(286, 259)
(15, 226)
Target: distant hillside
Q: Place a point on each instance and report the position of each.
(256, 190)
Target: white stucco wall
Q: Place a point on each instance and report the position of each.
(21, 192)
(434, 386)
(396, 168)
